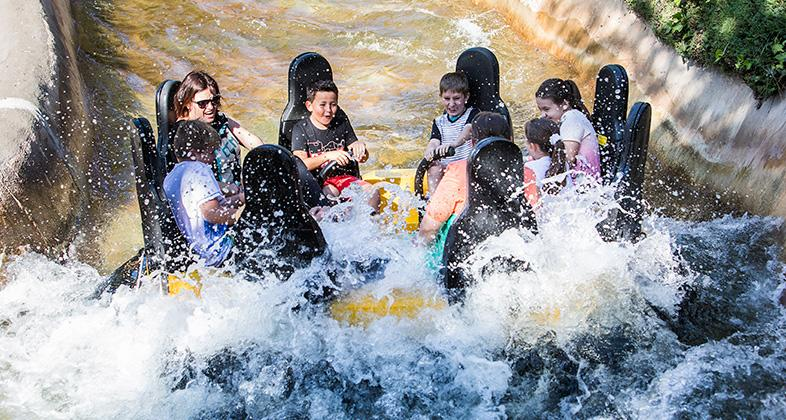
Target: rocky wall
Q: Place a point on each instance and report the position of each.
(45, 138)
(707, 124)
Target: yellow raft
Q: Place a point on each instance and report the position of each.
(361, 307)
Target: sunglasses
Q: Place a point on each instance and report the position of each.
(215, 100)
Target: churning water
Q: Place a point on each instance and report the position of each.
(684, 323)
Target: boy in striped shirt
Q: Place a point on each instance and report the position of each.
(452, 128)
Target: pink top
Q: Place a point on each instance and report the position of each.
(574, 126)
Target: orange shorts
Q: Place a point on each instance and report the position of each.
(342, 181)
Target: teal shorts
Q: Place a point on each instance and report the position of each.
(434, 257)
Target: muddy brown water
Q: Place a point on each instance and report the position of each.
(387, 60)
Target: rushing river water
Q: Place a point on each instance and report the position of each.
(684, 323)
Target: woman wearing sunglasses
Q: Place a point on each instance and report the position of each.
(198, 98)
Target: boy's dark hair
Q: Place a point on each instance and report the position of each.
(490, 124)
(456, 81)
(561, 91)
(194, 136)
(320, 86)
(193, 83)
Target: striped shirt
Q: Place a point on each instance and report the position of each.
(448, 132)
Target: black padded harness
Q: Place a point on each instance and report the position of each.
(608, 118)
(482, 70)
(495, 203)
(275, 233)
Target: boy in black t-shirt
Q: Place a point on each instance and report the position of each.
(327, 135)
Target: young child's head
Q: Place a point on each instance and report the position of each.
(322, 101)
(196, 140)
(454, 91)
(489, 124)
(555, 97)
(538, 134)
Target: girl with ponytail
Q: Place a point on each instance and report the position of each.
(560, 101)
(546, 159)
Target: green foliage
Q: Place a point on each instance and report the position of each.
(742, 37)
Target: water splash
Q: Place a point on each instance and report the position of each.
(589, 329)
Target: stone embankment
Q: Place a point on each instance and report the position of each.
(707, 124)
(43, 124)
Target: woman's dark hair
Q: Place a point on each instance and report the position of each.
(192, 84)
(194, 136)
(539, 131)
(320, 86)
(490, 124)
(562, 91)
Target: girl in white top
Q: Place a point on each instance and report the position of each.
(545, 160)
(560, 101)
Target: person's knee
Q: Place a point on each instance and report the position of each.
(331, 191)
(375, 199)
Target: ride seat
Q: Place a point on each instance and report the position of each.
(275, 232)
(495, 173)
(152, 161)
(609, 116)
(481, 67)
(482, 70)
(306, 69)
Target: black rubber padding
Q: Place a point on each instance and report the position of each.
(304, 70)
(625, 223)
(166, 118)
(275, 233)
(143, 151)
(495, 203)
(165, 245)
(482, 70)
(423, 166)
(334, 169)
(609, 113)
(630, 172)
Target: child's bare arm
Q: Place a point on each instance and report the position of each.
(571, 150)
(314, 162)
(245, 137)
(464, 135)
(428, 230)
(219, 212)
(228, 188)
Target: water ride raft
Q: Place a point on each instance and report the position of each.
(623, 136)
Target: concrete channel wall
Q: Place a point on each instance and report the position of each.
(42, 119)
(707, 124)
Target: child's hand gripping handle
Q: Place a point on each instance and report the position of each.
(332, 165)
(420, 173)
(442, 152)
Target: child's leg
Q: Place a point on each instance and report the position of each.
(331, 191)
(374, 200)
(435, 172)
